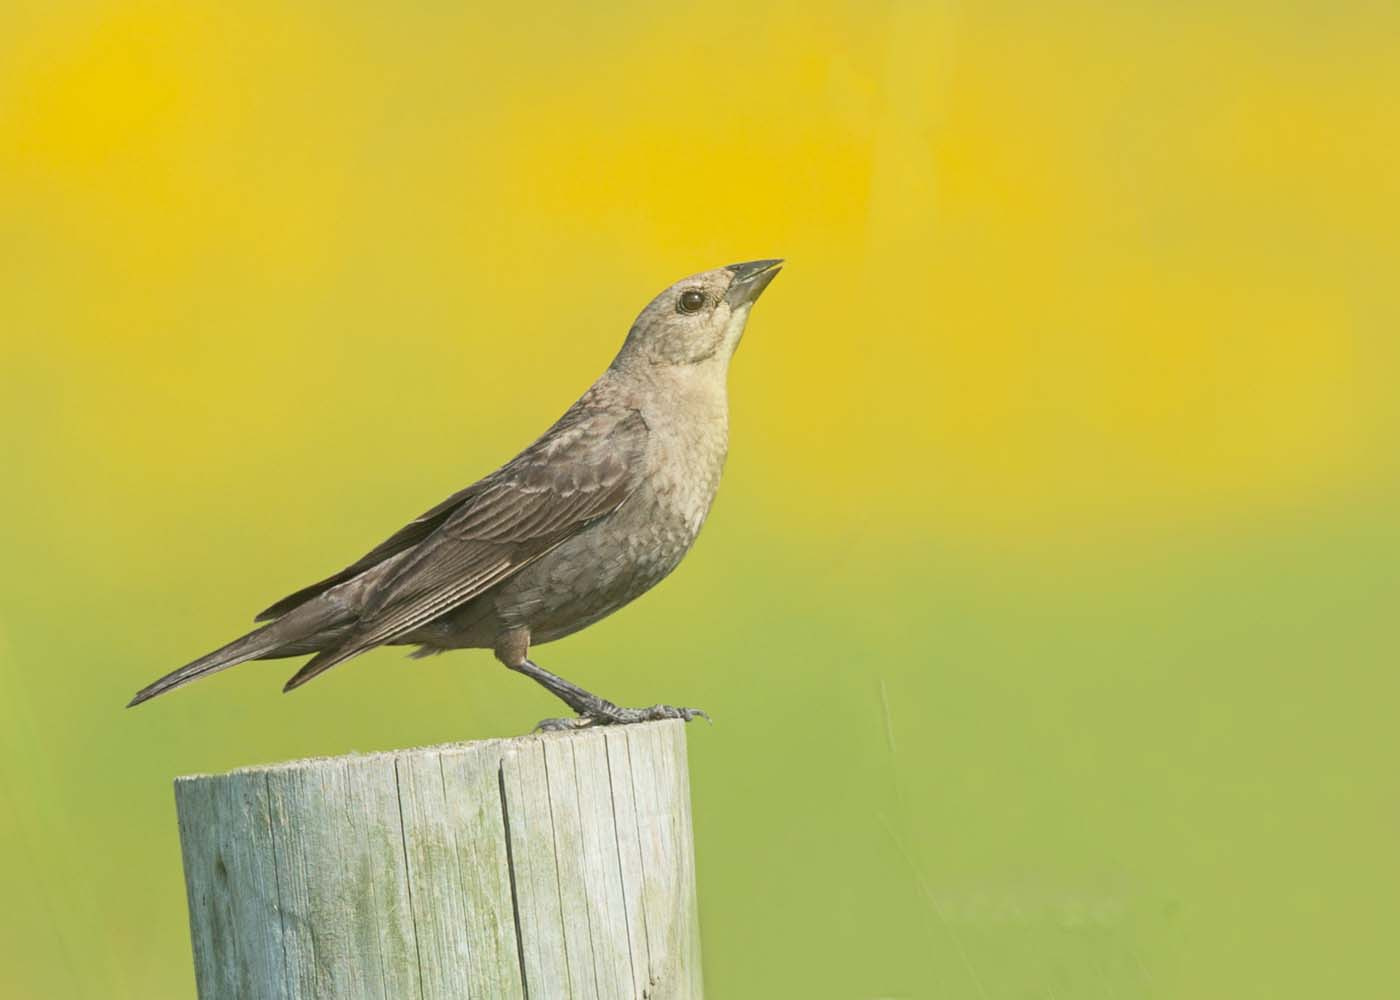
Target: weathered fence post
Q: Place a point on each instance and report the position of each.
(558, 865)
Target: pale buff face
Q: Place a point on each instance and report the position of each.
(698, 318)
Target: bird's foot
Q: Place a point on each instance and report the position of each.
(605, 713)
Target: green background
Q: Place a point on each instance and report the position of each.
(1047, 612)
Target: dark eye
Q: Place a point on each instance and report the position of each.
(690, 301)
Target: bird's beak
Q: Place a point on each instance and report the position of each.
(750, 280)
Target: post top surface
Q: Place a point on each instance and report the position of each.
(498, 744)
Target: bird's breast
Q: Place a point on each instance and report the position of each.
(626, 553)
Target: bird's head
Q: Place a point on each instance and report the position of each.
(699, 318)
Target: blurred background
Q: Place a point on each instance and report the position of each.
(1047, 613)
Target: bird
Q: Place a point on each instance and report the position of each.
(593, 514)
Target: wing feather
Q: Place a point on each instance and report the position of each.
(405, 538)
(582, 469)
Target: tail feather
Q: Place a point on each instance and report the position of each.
(320, 663)
(291, 635)
(249, 647)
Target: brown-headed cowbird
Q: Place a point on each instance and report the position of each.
(592, 515)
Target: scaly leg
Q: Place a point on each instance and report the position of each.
(592, 710)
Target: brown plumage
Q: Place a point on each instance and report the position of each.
(596, 511)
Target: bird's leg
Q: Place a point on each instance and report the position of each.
(592, 710)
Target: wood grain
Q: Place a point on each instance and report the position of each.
(557, 865)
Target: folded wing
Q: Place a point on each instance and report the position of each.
(582, 469)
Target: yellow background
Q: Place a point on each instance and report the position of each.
(1047, 613)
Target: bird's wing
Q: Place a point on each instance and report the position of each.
(405, 538)
(583, 468)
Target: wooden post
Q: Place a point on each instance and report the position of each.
(558, 865)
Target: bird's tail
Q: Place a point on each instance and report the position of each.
(287, 635)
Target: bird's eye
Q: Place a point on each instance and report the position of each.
(690, 301)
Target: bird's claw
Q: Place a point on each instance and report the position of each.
(608, 714)
(562, 725)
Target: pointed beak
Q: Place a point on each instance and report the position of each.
(750, 280)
